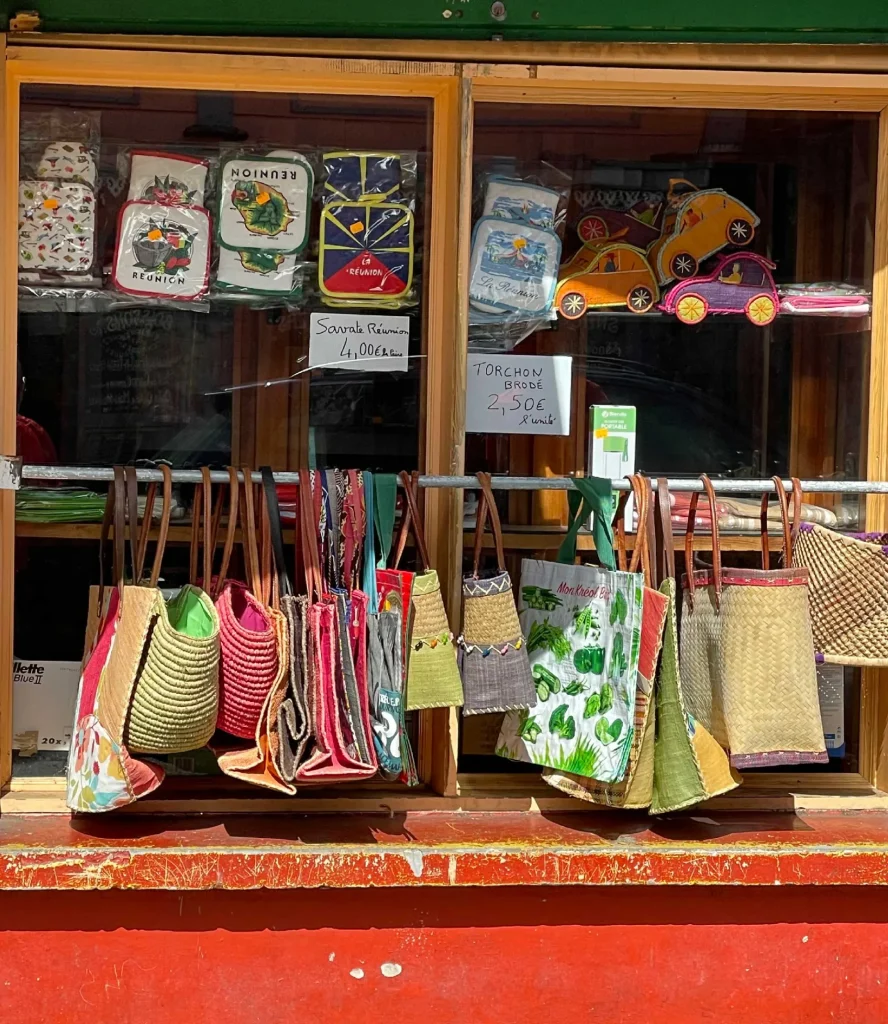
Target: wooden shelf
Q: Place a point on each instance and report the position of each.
(522, 539)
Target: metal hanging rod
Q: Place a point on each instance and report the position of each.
(105, 474)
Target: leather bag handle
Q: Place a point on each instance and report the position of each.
(487, 505)
(716, 542)
(410, 483)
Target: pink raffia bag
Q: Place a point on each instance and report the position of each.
(250, 654)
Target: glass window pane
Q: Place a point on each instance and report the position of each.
(175, 246)
(715, 274)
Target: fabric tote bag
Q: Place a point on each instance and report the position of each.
(747, 653)
(583, 630)
(847, 591)
(495, 668)
(636, 787)
(101, 774)
(341, 747)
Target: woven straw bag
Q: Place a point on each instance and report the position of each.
(250, 661)
(747, 653)
(282, 730)
(159, 692)
(635, 789)
(495, 668)
(433, 679)
(689, 766)
(847, 591)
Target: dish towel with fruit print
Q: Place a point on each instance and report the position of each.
(582, 626)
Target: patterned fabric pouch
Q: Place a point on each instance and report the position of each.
(495, 668)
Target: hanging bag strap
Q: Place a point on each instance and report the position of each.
(314, 587)
(249, 539)
(716, 543)
(166, 508)
(368, 580)
(590, 496)
(665, 543)
(487, 506)
(231, 531)
(119, 485)
(104, 536)
(784, 516)
(284, 586)
(637, 490)
(796, 516)
(385, 501)
(412, 517)
(202, 513)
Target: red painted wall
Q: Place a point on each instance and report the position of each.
(467, 956)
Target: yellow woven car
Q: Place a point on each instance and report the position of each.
(703, 222)
(606, 274)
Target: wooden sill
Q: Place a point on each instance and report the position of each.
(475, 793)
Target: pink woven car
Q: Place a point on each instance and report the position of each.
(740, 282)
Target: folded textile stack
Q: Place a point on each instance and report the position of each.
(739, 514)
(58, 505)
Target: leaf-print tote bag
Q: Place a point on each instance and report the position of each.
(582, 625)
(634, 790)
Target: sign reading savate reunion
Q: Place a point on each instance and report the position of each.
(518, 394)
(357, 341)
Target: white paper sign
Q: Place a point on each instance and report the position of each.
(43, 699)
(353, 341)
(518, 394)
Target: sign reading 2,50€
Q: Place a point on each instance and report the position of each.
(518, 394)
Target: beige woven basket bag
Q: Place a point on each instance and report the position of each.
(848, 591)
(160, 689)
(747, 652)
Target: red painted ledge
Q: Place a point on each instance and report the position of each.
(442, 849)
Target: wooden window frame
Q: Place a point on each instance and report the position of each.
(408, 69)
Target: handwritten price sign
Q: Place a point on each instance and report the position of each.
(355, 341)
(518, 394)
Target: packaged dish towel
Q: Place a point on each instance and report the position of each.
(67, 161)
(512, 199)
(56, 226)
(513, 267)
(168, 178)
(162, 251)
(264, 203)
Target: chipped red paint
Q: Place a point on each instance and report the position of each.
(679, 955)
(437, 849)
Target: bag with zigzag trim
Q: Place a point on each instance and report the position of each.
(583, 629)
(495, 669)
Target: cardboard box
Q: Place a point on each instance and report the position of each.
(831, 691)
(43, 698)
(612, 446)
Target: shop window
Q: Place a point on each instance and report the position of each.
(212, 277)
(174, 247)
(688, 238)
